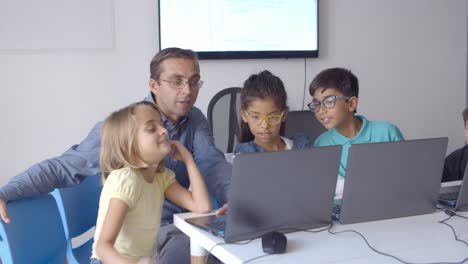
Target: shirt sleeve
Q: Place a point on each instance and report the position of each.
(395, 134)
(319, 141)
(167, 178)
(244, 147)
(210, 160)
(66, 170)
(124, 185)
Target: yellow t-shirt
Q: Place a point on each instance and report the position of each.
(140, 228)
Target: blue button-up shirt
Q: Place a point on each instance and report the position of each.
(82, 160)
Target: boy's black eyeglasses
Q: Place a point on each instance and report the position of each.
(328, 102)
(179, 84)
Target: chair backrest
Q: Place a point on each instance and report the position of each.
(78, 208)
(223, 117)
(303, 121)
(35, 234)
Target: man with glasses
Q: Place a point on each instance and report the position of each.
(334, 101)
(174, 85)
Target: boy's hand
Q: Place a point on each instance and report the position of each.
(4, 212)
(180, 152)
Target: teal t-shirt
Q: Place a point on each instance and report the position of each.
(371, 132)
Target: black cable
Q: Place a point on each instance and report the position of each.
(461, 216)
(225, 243)
(452, 213)
(286, 230)
(252, 259)
(261, 256)
(392, 256)
(305, 83)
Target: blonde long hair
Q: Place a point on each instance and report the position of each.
(118, 141)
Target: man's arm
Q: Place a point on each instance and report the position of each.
(210, 160)
(66, 170)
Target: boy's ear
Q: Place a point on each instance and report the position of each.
(353, 102)
(243, 115)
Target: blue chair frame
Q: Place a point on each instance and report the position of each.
(35, 234)
(78, 207)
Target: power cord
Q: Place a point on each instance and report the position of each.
(452, 213)
(264, 255)
(449, 212)
(225, 243)
(305, 84)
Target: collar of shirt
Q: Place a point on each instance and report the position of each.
(362, 136)
(166, 122)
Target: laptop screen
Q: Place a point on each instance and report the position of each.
(283, 190)
(392, 179)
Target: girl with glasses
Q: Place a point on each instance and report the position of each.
(264, 112)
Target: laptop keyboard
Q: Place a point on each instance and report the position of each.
(218, 225)
(451, 196)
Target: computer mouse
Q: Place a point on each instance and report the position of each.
(274, 242)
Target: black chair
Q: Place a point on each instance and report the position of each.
(223, 118)
(303, 121)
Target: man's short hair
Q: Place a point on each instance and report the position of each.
(168, 53)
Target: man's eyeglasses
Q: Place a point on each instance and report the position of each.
(179, 84)
(328, 102)
(271, 120)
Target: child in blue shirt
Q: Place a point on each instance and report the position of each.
(264, 112)
(334, 101)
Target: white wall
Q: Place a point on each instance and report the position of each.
(410, 57)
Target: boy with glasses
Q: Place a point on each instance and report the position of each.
(334, 101)
(455, 163)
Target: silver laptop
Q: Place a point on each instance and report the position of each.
(392, 179)
(277, 191)
(457, 199)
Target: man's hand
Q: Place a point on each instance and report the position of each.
(4, 212)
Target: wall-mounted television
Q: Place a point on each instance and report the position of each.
(240, 29)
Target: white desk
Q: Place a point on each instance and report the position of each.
(414, 239)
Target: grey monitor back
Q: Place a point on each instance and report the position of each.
(284, 191)
(392, 179)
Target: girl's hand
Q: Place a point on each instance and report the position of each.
(223, 209)
(146, 260)
(180, 152)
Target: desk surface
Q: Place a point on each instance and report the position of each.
(419, 239)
